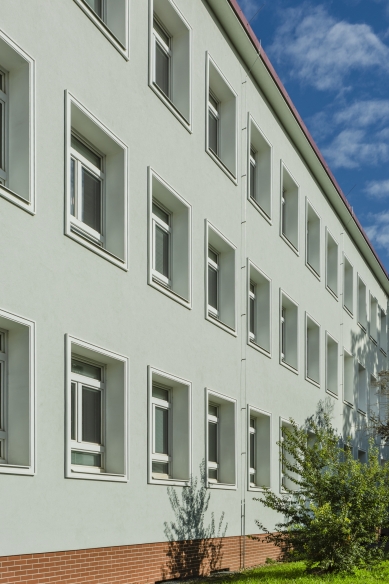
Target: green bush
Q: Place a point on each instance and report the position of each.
(335, 506)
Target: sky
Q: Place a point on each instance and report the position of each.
(333, 59)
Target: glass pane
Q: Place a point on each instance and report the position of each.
(161, 251)
(91, 200)
(252, 478)
(213, 101)
(73, 419)
(162, 33)
(252, 181)
(212, 442)
(93, 158)
(1, 135)
(91, 415)
(1, 397)
(252, 423)
(160, 467)
(212, 287)
(162, 66)
(161, 214)
(161, 430)
(86, 458)
(73, 187)
(160, 393)
(213, 256)
(213, 133)
(92, 371)
(252, 316)
(212, 410)
(96, 6)
(252, 450)
(212, 474)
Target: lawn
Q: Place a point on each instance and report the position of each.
(294, 572)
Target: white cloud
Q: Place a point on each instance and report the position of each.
(378, 231)
(353, 148)
(249, 7)
(321, 51)
(364, 113)
(379, 189)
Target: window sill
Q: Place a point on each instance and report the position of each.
(258, 208)
(17, 200)
(289, 367)
(124, 51)
(169, 482)
(216, 159)
(332, 293)
(254, 345)
(312, 381)
(220, 324)
(351, 315)
(256, 489)
(225, 486)
(16, 469)
(87, 242)
(158, 285)
(313, 271)
(170, 105)
(332, 394)
(290, 244)
(96, 476)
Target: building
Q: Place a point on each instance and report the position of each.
(181, 274)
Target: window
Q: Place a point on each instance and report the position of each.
(286, 475)
(289, 209)
(332, 264)
(220, 280)
(169, 241)
(17, 125)
(170, 62)
(259, 449)
(373, 319)
(96, 412)
(220, 443)
(332, 376)
(169, 428)
(87, 415)
(221, 120)
(260, 170)
(17, 395)
(348, 286)
(112, 19)
(374, 406)
(259, 309)
(348, 377)
(362, 456)
(383, 331)
(96, 187)
(313, 236)
(312, 350)
(362, 389)
(362, 313)
(288, 332)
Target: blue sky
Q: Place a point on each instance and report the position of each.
(333, 58)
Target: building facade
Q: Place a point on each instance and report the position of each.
(181, 275)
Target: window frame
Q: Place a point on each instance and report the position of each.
(282, 332)
(333, 340)
(155, 456)
(328, 235)
(253, 273)
(215, 113)
(256, 134)
(283, 234)
(167, 50)
(309, 207)
(215, 267)
(168, 229)
(214, 466)
(308, 318)
(349, 310)
(257, 414)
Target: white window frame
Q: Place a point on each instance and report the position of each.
(257, 414)
(286, 423)
(253, 273)
(214, 266)
(81, 162)
(82, 351)
(78, 445)
(122, 47)
(166, 48)
(362, 325)
(214, 465)
(252, 309)
(214, 112)
(282, 332)
(308, 318)
(349, 356)
(310, 207)
(334, 294)
(349, 310)
(383, 334)
(283, 235)
(167, 228)
(329, 336)
(166, 405)
(373, 329)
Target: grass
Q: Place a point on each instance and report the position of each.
(295, 573)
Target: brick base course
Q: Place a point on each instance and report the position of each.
(135, 564)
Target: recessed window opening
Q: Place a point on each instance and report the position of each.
(161, 413)
(253, 172)
(3, 377)
(286, 476)
(87, 415)
(348, 285)
(373, 319)
(213, 282)
(162, 234)
(260, 169)
(362, 389)
(332, 378)
(86, 189)
(362, 312)
(259, 309)
(288, 332)
(332, 264)
(213, 442)
(213, 124)
(289, 209)
(162, 58)
(312, 350)
(348, 377)
(374, 409)
(253, 453)
(362, 456)
(383, 331)
(98, 7)
(313, 239)
(3, 125)
(252, 315)
(259, 437)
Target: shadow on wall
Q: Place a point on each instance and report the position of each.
(194, 549)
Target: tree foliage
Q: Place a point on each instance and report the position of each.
(333, 506)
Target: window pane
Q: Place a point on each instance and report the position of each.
(252, 316)
(213, 256)
(91, 415)
(92, 371)
(252, 181)
(93, 158)
(213, 101)
(91, 200)
(213, 133)
(162, 66)
(160, 393)
(160, 467)
(252, 450)
(212, 410)
(212, 473)
(86, 458)
(161, 214)
(164, 36)
(97, 6)
(161, 430)
(73, 412)
(73, 187)
(1, 395)
(212, 442)
(212, 287)
(161, 251)
(1, 135)
(252, 423)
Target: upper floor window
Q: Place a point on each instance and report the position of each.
(220, 440)
(161, 400)
(290, 210)
(213, 124)
(161, 244)
(288, 332)
(213, 442)
(213, 282)
(260, 170)
(259, 310)
(163, 54)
